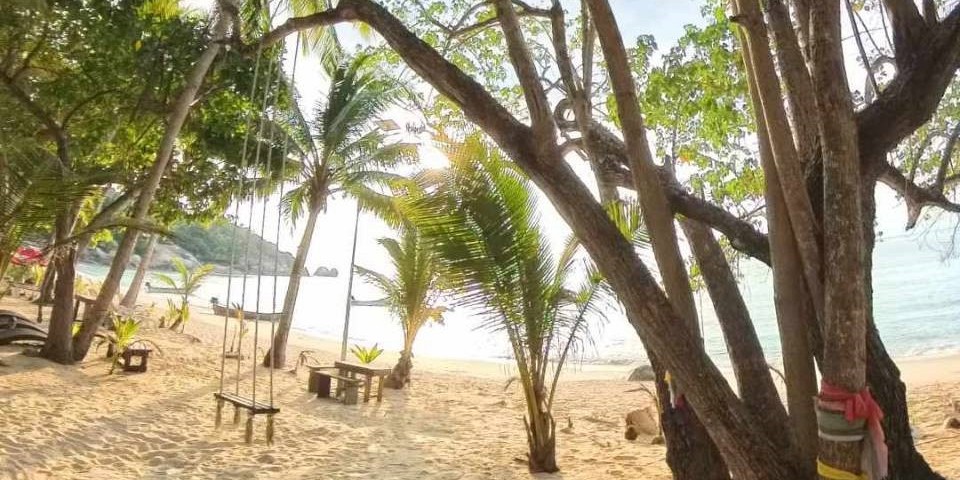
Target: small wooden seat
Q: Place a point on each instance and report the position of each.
(320, 380)
(143, 354)
(256, 408)
(252, 408)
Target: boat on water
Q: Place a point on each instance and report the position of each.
(368, 303)
(247, 315)
(171, 290)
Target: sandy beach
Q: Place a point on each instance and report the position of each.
(458, 420)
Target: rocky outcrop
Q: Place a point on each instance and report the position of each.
(215, 244)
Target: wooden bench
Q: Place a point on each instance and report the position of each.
(252, 408)
(320, 381)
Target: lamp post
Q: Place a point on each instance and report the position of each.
(387, 125)
(346, 316)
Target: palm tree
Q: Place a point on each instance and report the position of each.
(482, 222)
(411, 293)
(188, 282)
(342, 153)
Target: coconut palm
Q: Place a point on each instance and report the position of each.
(411, 292)
(188, 282)
(343, 152)
(482, 222)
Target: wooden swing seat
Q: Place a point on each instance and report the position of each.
(256, 408)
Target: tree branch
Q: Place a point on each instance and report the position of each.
(915, 196)
(909, 29)
(945, 158)
(60, 135)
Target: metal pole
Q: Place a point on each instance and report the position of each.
(346, 316)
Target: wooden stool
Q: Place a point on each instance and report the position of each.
(129, 354)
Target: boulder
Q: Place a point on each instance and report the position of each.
(642, 421)
(951, 423)
(643, 373)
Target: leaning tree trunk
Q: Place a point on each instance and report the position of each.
(691, 443)
(796, 318)
(130, 299)
(796, 199)
(755, 383)
(845, 321)
(277, 355)
(175, 120)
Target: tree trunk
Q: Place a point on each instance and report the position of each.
(541, 432)
(693, 454)
(400, 375)
(755, 383)
(58, 346)
(130, 299)
(795, 312)
(175, 121)
(845, 322)
(797, 84)
(797, 201)
(277, 355)
(48, 284)
(883, 376)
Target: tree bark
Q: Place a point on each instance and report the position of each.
(277, 355)
(400, 375)
(795, 315)
(750, 368)
(883, 376)
(59, 344)
(796, 80)
(845, 320)
(130, 299)
(792, 182)
(141, 208)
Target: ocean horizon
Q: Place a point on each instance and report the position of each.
(916, 309)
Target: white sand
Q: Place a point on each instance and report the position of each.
(457, 420)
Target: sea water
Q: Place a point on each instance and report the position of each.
(916, 304)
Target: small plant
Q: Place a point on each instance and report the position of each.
(87, 287)
(303, 358)
(238, 336)
(188, 282)
(123, 336)
(364, 354)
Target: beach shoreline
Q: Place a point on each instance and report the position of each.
(458, 419)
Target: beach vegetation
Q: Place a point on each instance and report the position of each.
(366, 354)
(412, 292)
(482, 220)
(124, 334)
(187, 281)
(343, 153)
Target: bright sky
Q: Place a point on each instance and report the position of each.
(331, 246)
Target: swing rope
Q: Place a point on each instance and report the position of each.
(236, 219)
(267, 169)
(276, 258)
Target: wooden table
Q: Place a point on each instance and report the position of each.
(351, 370)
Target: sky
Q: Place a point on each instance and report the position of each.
(331, 246)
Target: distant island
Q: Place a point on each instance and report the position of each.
(196, 244)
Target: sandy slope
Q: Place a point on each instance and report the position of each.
(457, 421)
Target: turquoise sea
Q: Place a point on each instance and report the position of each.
(917, 302)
